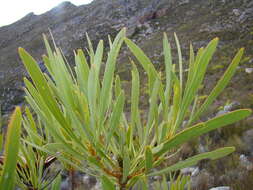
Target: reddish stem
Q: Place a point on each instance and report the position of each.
(72, 179)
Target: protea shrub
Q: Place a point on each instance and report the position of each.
(84, 111)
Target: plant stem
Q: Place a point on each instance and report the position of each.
(123, 186)
(72, 179)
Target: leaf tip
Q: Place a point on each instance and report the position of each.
(20, 49)
(242, 49)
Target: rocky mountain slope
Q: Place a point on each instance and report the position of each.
(196, 21)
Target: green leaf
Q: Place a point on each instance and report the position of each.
(56, 147)
(91, 50)
(135, 94)
(107, 184)
(47, 60)
(192, 65)
(110, 41)
(219, 153)
(126, 166)
(117, 86)
(145, 62)
(140, 55)
(200, 129)
(168, 72)
(148, 159)
(179, 61)
(153, 111)
(82, 70)
(116, 115)
(93, 94)
(177, 101)
(12, 144)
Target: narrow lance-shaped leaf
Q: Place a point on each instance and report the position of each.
(48, 60)
(30, 118)
(213, 155)
(152, 109)
(31, 129)
(176, 103)
(135, 94)
(12, 144)
(116, 115)
(126, 165)
(110, 41)
(191, 64)
(82, 70)
(144, 61)
(168, 70)
(99, 55)
(117, 86)
(179, 61)
(92, 94)
(148, 159)
(200, 129)
(91, 50)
